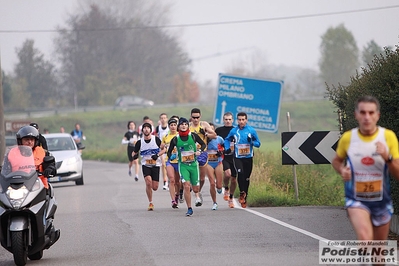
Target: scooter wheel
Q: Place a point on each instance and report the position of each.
(36, 256)
(19, 247)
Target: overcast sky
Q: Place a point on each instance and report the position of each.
(285, 32)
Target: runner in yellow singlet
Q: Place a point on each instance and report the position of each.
(204, 131)
(372, 154)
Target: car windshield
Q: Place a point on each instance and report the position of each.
(60, 144)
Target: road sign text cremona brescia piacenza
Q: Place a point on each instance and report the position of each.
(260, 99)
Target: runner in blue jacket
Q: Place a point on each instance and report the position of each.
(245, 139)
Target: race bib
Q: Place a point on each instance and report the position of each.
(243, 149)
(368, 187)
(149, 161)
(187, 156)
(212, 156)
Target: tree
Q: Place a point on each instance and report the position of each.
(105, 40)
(372, 49)
(185, 89)
(7, 93)
(84, 51)
(339, 56)
(38, 74)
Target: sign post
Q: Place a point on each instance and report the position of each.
(260, 99)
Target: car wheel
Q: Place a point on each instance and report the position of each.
(79, 182)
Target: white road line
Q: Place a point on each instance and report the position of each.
(299, 230)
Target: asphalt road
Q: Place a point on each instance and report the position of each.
(106, 222)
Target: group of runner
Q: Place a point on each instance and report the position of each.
(188, 151)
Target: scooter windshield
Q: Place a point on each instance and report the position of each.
(18, 161)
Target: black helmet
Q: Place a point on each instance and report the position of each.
(27, 131)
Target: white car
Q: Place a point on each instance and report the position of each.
(68, 158)
(129, 100)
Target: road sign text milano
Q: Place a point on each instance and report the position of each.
(259, 99)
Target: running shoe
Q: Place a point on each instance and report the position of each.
(177, 198)
(165, 187)
(198, 202)
(226, 194)
(243, 195)
(244, 204)
(151, 207)
(231, 203)
(181, 200)
(174, 205)
(189, 212)
(215, 206)
(200, 195)
(130, 173)
(219, 190)
(136, 178)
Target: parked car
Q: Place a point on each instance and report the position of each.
(129, 100)
(68, 158)
(10, 141)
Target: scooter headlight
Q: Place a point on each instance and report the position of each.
(17, 196)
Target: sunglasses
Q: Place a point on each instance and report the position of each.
(195, 117)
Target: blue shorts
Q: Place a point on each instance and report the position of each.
(175, 166)
(380, 215)
(214, 164)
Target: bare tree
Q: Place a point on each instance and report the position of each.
(119, 51)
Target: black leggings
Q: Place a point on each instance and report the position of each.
(243, 169)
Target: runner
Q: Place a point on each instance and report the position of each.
(215, 166)
(161, 130)
(223, 131)
(171, 165)
(187, 153)
(204, 131)
(150, 148)
(245, 139)
(130, 138)
(181, 198)
(366, 157)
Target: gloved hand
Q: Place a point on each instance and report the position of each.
(136, 156)
(249, 137)
(228, 151)
(48, 171)
(219, 153)
(202, 131)
(172, 157)
(154, 157)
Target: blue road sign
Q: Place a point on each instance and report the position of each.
(259, 98)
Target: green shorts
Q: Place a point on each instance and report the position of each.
(189, 173)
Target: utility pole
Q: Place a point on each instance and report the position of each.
(2, 131)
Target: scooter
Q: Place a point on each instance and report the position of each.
(26, 208)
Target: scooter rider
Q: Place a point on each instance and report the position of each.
(29, 136)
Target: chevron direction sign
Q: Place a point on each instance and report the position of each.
(317, 147)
